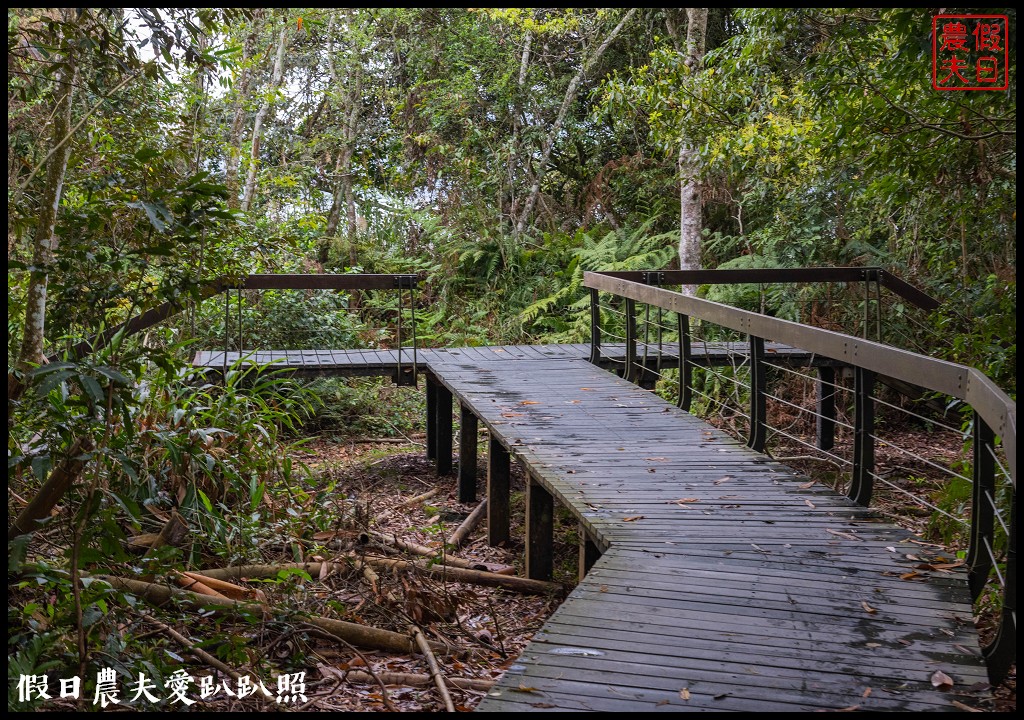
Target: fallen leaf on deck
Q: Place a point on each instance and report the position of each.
(719, 481)
(867, 691)
(684, 694)
(868, 608)
(511, 414)
(530, 402)
(656, 458)
(890, 548)
(941, 680)
(525, 689)
(632, 518)
(809, 504)
(804, 486)
(910, 575)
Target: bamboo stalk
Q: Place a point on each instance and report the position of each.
(462, 531)
(418, 499)
(435, 669)
(435, 554)
(477, 577)
(417, 679)
(362, 635)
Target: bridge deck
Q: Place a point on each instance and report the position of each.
(386, 362)
(727, 582)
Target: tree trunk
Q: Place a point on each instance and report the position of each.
(238, 121)
(556, 127)
(690, 198)
(45, 243)
(257, 128)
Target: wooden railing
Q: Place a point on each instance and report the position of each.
(994, 413)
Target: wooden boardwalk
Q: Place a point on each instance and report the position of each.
(386, 362)
(727, 581)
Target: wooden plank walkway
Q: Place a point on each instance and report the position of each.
(308, 363)
(727, 582)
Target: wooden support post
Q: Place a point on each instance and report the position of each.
(826, 417)
(539, 531)
(498, 470)
(589, 552)
(862, 482)
(1001, 653)
(443, 430)
(983, 494)
(467, 455)
(431, 417)
(758, 399)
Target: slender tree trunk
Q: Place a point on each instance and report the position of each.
(257, 128)
(45, 242)
(238, 121)
(690, 198)
(556, 127)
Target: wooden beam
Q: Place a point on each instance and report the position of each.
(589, 552)
(443, 430)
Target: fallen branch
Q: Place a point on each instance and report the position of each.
(199, 653)
(418, 680)
(476, 577)
(362, 635)
(60, 481)
(435, 670)
(436, 555)
(462, 531)
(173, 533)
(418, 499)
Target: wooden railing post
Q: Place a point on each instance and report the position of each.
(1001, 652)
(825, 419)
(595, 327)
(983, 491)
(467, 454)
(758, 396)
(685, 363)
(862, 482)
(629, 371)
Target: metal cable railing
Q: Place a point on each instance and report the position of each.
(717, 358)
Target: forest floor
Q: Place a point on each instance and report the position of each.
(367, 494)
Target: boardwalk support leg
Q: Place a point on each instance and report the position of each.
(498, 468)
(589, 552)
(826, 417)
(862, 484)
(539, 531)
(431, 417)
(983, 492)
(443, 430)
(758, 396)
(467, 455)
